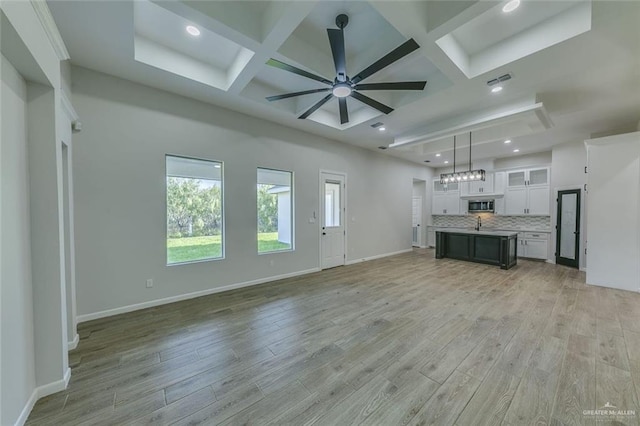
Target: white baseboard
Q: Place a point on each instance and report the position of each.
(24, 414)
(41, 392)
(74, 343)
(180, 297)
(54, 387)
(378, 256)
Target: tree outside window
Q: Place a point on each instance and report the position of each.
(275, 210)
(194, 210)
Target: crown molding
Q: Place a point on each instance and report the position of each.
(46, 19)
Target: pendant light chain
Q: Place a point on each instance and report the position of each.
(469, 151)
(454, 153)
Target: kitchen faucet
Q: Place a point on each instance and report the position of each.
(479, 224)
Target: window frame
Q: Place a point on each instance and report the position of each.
(292, 214)
(223, 229)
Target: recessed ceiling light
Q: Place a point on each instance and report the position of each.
(496, 89)
(507, 141)
(217, 166)
(193, 30)
(511, 6)
(446, 161)
(516, 150)
(437, 155)
(382, 129)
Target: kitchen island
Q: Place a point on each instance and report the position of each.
(490, 247)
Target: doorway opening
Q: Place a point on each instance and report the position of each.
(333, 214)
(568, 228)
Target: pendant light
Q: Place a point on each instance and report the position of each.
(467, 176)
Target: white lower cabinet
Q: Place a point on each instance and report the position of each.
(533, 245)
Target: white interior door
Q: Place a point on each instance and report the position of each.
(416, 220)
(333, 217)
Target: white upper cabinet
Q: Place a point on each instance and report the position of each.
(527, 192)
(516, 179)
(539, 200)
(446, 198)
(478, 187)
(515, 200)
(538, 177)
(499, 182)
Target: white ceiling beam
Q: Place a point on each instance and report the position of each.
(411, 20)
(533, 118)
(282, 27)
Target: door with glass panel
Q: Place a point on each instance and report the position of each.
(568, 228)
(416, 219)
(333, 216)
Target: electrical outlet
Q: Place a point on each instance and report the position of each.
(149, 283)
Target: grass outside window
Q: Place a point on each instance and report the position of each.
(190, 249)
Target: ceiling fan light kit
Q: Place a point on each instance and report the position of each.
(465, 176)
(343, 87)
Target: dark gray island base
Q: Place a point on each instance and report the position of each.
(493, 248)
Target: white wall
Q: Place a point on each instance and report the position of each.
(18, 370)
(26, 45)
(567, 172)
(47, 230)
(613, 219)
(120, 193)
(526, 160)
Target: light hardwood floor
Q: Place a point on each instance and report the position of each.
(402, 340)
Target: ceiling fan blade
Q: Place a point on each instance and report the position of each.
(291, 95)
(336, 39)
(278, 64)
(401, 85)
(371, 102)
(399, 52)
(317, 105)
(344, 114)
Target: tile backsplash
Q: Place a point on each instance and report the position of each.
(534, 223)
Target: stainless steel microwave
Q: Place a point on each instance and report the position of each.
(476, 206)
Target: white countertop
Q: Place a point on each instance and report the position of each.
(474, 232)
(457, 228)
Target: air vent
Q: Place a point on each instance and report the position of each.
(376, 125)
(382, 147)
(499, 80)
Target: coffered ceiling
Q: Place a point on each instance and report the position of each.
(575, 65)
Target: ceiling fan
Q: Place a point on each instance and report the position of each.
(343, 86)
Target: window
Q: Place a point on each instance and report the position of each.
(195, 220)
(331, 204)
(275, 210)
